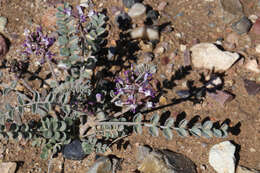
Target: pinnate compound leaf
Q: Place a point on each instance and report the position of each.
(167, 132)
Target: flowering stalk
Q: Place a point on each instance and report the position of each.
(134, 90)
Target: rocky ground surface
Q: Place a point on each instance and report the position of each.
(220, 36)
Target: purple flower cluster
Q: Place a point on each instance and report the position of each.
(134, 90)
(37, 43)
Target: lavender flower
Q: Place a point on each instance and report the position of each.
(82, 17)
(37, 43)
(134, 89)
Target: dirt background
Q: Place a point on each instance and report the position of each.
(193, 19)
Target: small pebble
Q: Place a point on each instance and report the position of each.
(252, 65)
(252, 150)
(138, 32)
(253, 18)
(3, 22)
(129, 3)
(152, 34)
(165, 60)
(183, 93)
(257, 48)
(183, 47)
(159, 51)
(162, 5)
(137, 10)
(242, 26)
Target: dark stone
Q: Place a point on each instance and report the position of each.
(74, 151)
(130, 3)
(183, 93)
(251, 87)
(242, 26)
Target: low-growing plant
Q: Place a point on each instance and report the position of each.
(78, 106)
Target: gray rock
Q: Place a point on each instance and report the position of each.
(74, 151)
(207, 55)
(136, 10)
(129, 3)
(232, 6)
(8, 167)
(105, 164)
(222, 158)
(242, 26)
(3, 22)
(163, 161)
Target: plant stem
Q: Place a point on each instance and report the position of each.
(52, 71)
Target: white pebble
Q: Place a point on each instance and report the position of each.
(222, 158)
(257, 48)
(136, 10)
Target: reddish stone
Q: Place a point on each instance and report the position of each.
(221, 97)
(256, 27)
